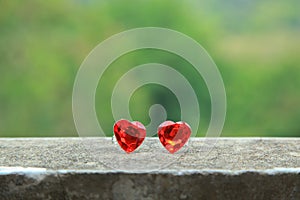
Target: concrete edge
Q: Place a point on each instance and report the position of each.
(33, 172)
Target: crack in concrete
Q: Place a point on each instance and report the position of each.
(65, 192)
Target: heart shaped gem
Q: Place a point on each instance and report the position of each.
(130, 135)
(173, 135)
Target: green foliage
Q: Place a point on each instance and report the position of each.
(255, 44)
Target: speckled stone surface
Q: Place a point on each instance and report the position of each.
(96, 168)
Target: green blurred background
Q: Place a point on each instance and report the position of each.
(255, 44)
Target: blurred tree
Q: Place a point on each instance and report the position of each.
(255, 44)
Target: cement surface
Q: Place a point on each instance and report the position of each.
(103, 154)
(96, 168)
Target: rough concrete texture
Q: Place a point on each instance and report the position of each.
(96, 168)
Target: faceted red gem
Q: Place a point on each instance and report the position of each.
(173, 135)
(130, 135)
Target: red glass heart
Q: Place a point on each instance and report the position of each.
(130, 135)
(173, 135)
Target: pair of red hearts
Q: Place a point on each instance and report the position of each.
(130, 135)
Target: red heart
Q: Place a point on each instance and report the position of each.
(130, 135)
(173, 135)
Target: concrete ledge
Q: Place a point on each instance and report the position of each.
(91, 168)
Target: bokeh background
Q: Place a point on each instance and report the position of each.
(255, 44)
